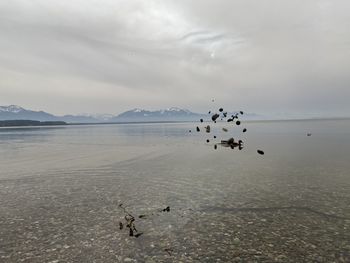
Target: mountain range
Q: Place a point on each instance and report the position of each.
(14, 112)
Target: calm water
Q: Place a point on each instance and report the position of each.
(60, 188)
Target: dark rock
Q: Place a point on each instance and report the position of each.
(215, 116)
(260, 152)
(244, 130)
(121, 225)
(238, 123)
(214, 137)
(225, 130)
(198, 130)
(167, 209)
(207, 129)
(208, 141)
(241, 112)
(201, 120)
(215, 146)
(221, 109)
(131, 232)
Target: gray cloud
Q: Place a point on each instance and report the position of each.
(107, 56)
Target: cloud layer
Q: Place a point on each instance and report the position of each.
(269, 56)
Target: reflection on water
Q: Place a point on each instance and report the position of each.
(60, 189)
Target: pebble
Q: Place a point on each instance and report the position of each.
(236, 241)
(128, 260)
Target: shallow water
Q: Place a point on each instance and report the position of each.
(60, 188)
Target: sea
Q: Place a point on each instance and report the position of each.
(75, 193)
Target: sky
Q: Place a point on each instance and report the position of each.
(271, 57)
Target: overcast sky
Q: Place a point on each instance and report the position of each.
(107, 56)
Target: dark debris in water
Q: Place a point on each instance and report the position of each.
(130, 220)
(235, 118)
(169, 251)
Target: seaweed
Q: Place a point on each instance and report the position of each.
(130, 220)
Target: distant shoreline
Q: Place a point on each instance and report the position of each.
(28, 123)
(22, 123)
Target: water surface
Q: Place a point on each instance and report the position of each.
(60, 188)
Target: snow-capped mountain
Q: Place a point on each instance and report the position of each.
(11, 108)
(170, 114)
(13, 112)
